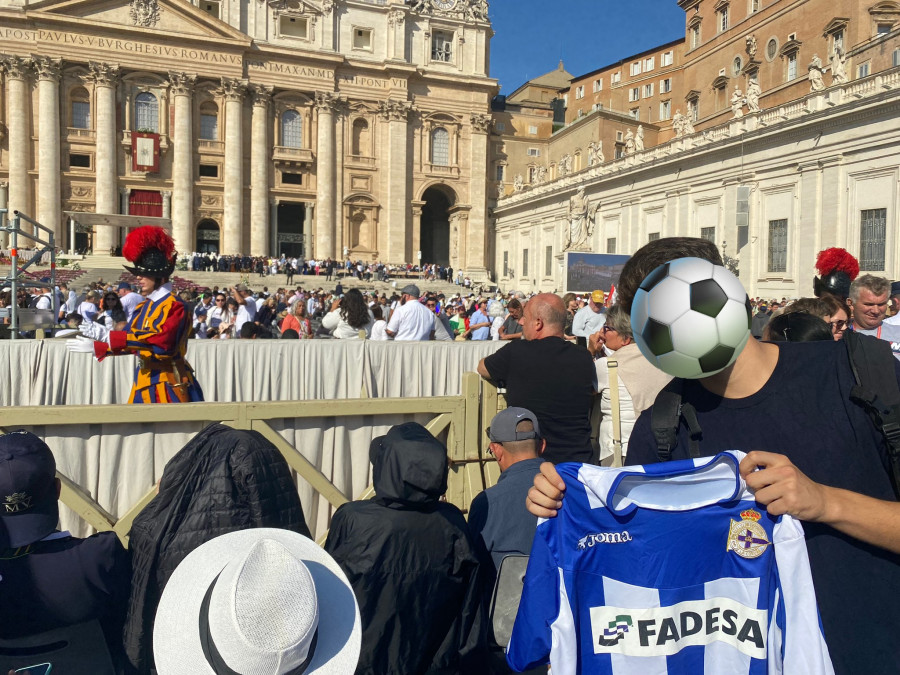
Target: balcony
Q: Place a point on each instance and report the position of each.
(81, 135)
(126, 142)
(439, 170)
(359, 161)
(208, 147)
(289, 157)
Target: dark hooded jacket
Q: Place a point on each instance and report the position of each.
(223, 480)
(411, 562)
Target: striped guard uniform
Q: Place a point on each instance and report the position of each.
(158, 336)
(668, 568)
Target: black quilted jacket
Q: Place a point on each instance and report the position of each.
(223, 480)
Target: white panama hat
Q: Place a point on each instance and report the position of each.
(260, 601)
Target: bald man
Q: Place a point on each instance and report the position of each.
(550, 376)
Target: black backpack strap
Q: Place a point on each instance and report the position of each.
(689, 413)
(877, 391)
(665, 415)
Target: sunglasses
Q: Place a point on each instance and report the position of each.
(838, 325)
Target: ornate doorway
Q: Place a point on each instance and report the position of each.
(208, 237)
(434, 233)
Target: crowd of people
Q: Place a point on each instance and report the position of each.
(578, 390)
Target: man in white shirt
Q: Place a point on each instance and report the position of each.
(411, 320)
(128, 299)
(589, 319)
(246, 307)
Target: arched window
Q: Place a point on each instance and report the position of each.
(209, 121)
(291, 129)
(440, 147)
(81, 108)
(360, 137)
(146, 112)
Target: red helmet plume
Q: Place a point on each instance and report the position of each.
(152, 251)
(837, 260)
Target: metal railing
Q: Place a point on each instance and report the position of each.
(13, 280)
(462, 417)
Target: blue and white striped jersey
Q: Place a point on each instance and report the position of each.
(667, 568)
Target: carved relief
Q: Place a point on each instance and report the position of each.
(468, 10)
(397, 111)
(326, 101)
(144, 13)
(481, 122)
(232, 89)
(81, 191)
(750, 44)
(262, 95)
(396, 17)
(182, 84)
(103, 74)
(16, 67)
(47, 68)
(210, 200)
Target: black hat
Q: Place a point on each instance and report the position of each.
(151, 250)
(27, 490)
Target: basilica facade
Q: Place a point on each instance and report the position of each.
(324, 128)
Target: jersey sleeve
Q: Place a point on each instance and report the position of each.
(531, 639)
(159, 339)
(803, 645)
(497, 364)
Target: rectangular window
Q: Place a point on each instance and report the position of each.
(665, 86)
(666, 59)
(597, 106)
(620, 136)
(708, 233)
(598, 85)
(634, 94)
(778, 245)
(442, 47)
(579, 92)
(837, 40)
(532, 129)
(611, 245)
(580, 112)
(294, 26)
(524, 263)
(210, 7)
(209, 171)
(635, 113)
(532, 175)
(636, 68)
(534, 152)
(694, 109)
(723, 19)
(884, 28)
(146, 113)
(754, 6)
(81, 114)
(506, 263)
(292, 178)
(500, 126)
(792, 67)
(695, 36)
(895, 58)
(649, 64)
(548, 261)
(665, 110)
(863, 70)
(500, 168)
(78, 161)
(648, 90)
(653, 236)
(615, 78)
(362, 38)
(872, 239)
(209, 127)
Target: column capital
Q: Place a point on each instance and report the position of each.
(4, 184)
(16, 67)
(396, 17)
(327, 102)
(167, 194)
(262, 95)
(481, 122)
(124, 191)
(47, 68)
(181, 84)
(232, 89)
(397, 111)
(103, 74)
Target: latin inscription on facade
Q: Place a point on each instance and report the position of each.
(374, 82)
(290, 69)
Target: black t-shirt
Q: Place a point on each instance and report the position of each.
(805, 413)
(556, 381)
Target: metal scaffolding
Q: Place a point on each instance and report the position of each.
(16, 278)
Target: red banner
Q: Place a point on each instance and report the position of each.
(144, 152)
(145, 203)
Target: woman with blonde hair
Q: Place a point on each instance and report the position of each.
(298, 320)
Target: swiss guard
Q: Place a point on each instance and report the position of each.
(159, 332)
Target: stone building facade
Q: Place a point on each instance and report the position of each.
(324, 128)
(785, 143)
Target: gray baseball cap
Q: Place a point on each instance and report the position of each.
(503, 426)
(411, 289)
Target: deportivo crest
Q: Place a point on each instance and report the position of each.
(17, 502)
(747, 537)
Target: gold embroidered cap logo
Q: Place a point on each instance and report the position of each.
(17, 502)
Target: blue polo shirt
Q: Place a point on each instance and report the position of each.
(480, 333)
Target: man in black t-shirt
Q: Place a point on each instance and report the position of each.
(549, 376)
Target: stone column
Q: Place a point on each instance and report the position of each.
(415, 237)
(309, 223)
(273, 218)
(396, 113)
(325, 176)
(18, 121)
(104, 77)
(182, 85)
(232, 221)
(125, 201)
(396, 36)
(49, 212)
(4, 203)
(167, 203)
(260, 149)
(476, 243)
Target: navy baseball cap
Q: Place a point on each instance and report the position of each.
(124, 286)
(895, 288)
(28, 503)
(503, 426)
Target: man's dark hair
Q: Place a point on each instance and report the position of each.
(797, 327)
(249, 330)
(655, 253)
(514, 304)
(290, 334)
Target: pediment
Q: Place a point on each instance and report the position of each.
(174, 17)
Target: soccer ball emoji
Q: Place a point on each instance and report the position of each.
(691, 318)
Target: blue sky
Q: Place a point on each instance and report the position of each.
(531, 36)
